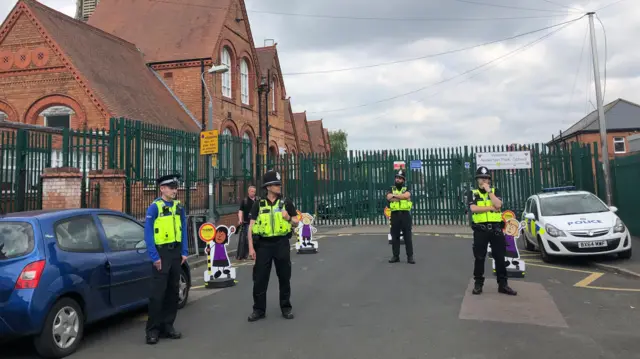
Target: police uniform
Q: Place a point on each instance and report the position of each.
(487, 229)
(270, 237)
(166, 237)
(401, 221)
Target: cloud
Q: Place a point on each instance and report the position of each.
(524, 98)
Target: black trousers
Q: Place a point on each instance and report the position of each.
(243, 243)
(165, 284)
(481, 238)
(271, 250)
(401, 223)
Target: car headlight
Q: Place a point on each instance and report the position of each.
(553, 231)
(619, 227)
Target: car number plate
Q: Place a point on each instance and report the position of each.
(592, 244)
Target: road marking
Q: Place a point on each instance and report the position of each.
(585, 282)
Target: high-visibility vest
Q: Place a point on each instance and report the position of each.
(167, 228)
(270, 222)
(401, 205)
(485, 217)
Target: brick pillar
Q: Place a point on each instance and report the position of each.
(112, 182)
(61, 188)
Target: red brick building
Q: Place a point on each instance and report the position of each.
(304, 136)
(59, 72)
(319, 136)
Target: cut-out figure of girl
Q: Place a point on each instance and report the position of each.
(220, 256)
(307, 230)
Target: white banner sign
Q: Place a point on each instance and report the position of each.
(504, 160)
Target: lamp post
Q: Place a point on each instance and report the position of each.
(213, 70)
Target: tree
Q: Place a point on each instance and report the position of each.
(338, 142)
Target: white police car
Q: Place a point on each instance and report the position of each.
(566, 222)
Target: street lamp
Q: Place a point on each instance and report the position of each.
(213, 70)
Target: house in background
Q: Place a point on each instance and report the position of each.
(623, 121)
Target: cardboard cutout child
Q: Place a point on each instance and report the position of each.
(305, 232)
(512, 229)
(220, 273)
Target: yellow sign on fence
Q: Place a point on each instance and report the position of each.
(209, 142)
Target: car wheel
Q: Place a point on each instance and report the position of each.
(62, 331)
(543, 252)
(183, 289)
(625, 255)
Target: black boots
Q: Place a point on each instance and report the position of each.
(410, 260)
(255, 315)
(395, 259)
(504, 289)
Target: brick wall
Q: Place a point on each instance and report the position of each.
(61, 188)
(31, 84)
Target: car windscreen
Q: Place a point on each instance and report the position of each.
(571, 204)
(16, 239)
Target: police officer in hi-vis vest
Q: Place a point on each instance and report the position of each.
(165, 233)
(485, 204)
(400, 204)
(271, 221)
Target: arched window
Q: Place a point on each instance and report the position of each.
(247, 153)
(225, 59)
(226, 164)
(3, 116)
(273, 96)
(244, 81)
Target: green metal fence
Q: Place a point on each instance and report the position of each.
(351, 190)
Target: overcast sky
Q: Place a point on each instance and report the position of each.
(519, 98)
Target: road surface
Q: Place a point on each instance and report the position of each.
(350, 303)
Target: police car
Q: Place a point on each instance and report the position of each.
(566, 222)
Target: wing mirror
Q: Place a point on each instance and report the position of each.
(530, 216)
(613, 209)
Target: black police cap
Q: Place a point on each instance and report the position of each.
(271, 178)
(400, 174)
(483, 172)
(168, 180)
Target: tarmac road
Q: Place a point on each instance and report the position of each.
(350, 303)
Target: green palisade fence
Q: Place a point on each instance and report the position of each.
(339, 190)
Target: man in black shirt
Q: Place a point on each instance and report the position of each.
(243, 223)
(271, 222)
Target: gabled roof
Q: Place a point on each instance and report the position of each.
(300, 119)
(266, 57)
(113, 69)
(620, 115)
(165, 30)
(327, 140)
(317, 135)
(289, 123)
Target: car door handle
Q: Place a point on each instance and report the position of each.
(107, 265)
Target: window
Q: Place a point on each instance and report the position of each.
(244, 81)
(226, 76)
(527, 206)
(122, 234)
(4, 116)
(273, 96)
(16, 239)
(246, 153)
(572, 204)
(534, 208)
(57, 116)
(619, 145)
(78, 234)
(226, 157)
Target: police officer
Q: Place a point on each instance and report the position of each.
(485, 204)
(165, 233)
(270, 228)
(400, 204)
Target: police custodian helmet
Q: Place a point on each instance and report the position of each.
(168, 180)
(271, 178)
(483, 172)
(401, 174)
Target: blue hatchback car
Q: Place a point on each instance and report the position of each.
(63, 269)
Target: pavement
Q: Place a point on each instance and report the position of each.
(350, 303)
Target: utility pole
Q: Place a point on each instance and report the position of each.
(601, 119)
